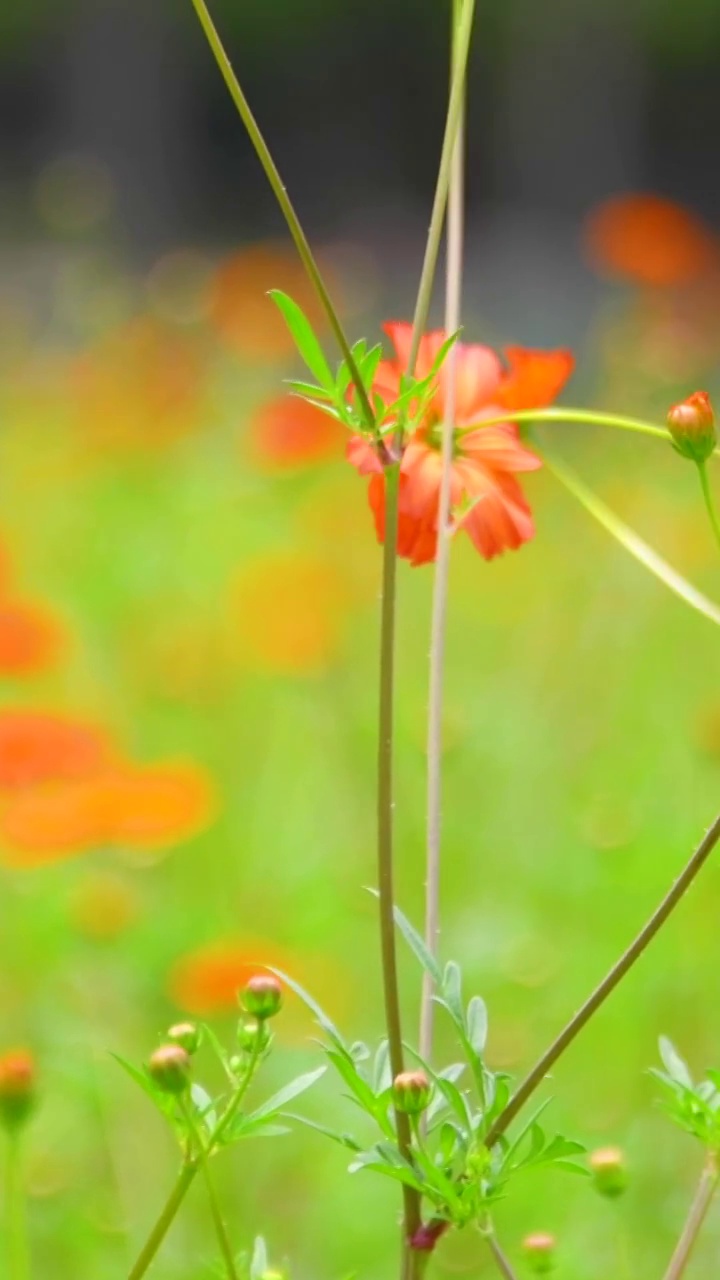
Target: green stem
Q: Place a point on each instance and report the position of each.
(279, 191)
(598, 997)
(586, 416)
(502, 1262)
(236, 1100)
(215, 1210)
(709, 502)
(453, 302)
(695, 1219)
(18, 1256)
(166, 1219)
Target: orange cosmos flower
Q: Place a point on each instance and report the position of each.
(207, 981)
(36, 747)
(650, 240)
(487, 458)
(30, 638)
(290, 432)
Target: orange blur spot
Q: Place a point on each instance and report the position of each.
(244, 317)
(290, 432)
(30, 638)
(38, 747)
(207, 981)
(649, 240)
(289, 611)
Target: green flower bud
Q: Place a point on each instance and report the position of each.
(692, 427)
(609, 1171)
(411, 1092)
(540, 1252)
(187, 1035)
(170, 1068)
(262, 996)
(17, 1088)
(252, 1035)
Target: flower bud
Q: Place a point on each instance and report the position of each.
(262, 996)
(411, 1092)
(540, 1252)
(692, 427)
(187, 1035)
(609, 1171)
(17, 1088)
(170, 1068)
(252, 1035)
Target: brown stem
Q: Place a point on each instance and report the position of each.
(608, 984)
(698, 1212)
(503, 1263)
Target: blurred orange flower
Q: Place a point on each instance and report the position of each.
(207, 981)
(649, 240)
(289, 610)
(243, 315)
(290, 432)
(37, 747)
(30, 638)
(487, 499)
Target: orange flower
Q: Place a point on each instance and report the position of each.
(487, 458)
(207, 981)
(35, 747)
(30, 638)
(245, 318)
(289, 432)
(649, 240)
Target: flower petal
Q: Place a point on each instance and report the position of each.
(500, 519)
(362, 455)
(498, 447)
(478, 374)
(534, 378)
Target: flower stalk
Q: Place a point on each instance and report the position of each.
(709, 500)
(695, 1219)
(18, 1254)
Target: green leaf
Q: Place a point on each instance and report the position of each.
(531, 1121)
(673, 1063)
(344, 1139)
(381, 1074)
(308, 391)
(163, 1101)
(305, 340)
(418, 946)
(289, 1091)
(203, 1104)
(259, 1262)
(405, 1176)
(630, 540)
(328, 1027)
(219, 1051)
(477, 1024)
(452, 991)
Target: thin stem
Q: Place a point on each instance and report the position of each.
(456, 106)
(694, 1221)
(18, 1257)
(709, 501)
(215, 1210)
(279, 191)
(234, 1105)
(503, 1262)
(587, 416)
(453, 302)
(166, 1219)
(608, 984)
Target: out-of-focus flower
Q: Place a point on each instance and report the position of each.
(692, 427)
(539, 1250)
(31, 639)
(289, 432)
(262, 996)
(17, 1087)
(486, 497)
(289, 610)
(649, 240)
(103, 906)
(169, 1067)
(244, 317)
(609, 1171)
(36, 747)
(208, 980)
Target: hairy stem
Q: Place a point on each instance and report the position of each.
(709, 501)
(608, 984)
(166, 1219)
(453, 302)
(694, 1221)
(280, 192)
(18, 1255)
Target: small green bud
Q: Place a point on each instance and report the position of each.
(411, 1092)
(692, 427)
(540, 1252)
(187, 1035)
(262, 996)
(609, 1171)
(252, 1035)
(17, 1088)
(170, 1068)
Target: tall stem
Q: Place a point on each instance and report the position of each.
(590, 417)
(502, 1262)
(608, 984)
(698, 1212)
(453, 304)
(280, 192)
(215, 1209)
(709, 502)
(165, 1221)
(18, 1257)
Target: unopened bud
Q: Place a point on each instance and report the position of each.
(170, 1068)
(411, 1092)
(17, 1088)
(609, 1171)
(540, 1252)
(252, 1035)
(262, 996)
(187, 1035)
(691, 424)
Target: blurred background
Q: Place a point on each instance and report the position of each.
(189, 583)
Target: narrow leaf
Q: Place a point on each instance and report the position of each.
(477, 1024)
(674, 1065)
(417, 946)
(305, 340)
(344, 1139)
(328, 1027)
(292, 1090)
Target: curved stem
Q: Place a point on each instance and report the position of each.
(215, 1210)
(709, 501)
(608, 984)
(453, 302)
(698, 1212)
(166, 1219)
(18, 1257)
(502, 1262)
(234, 1105)
(279, 191)
(586, 416)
